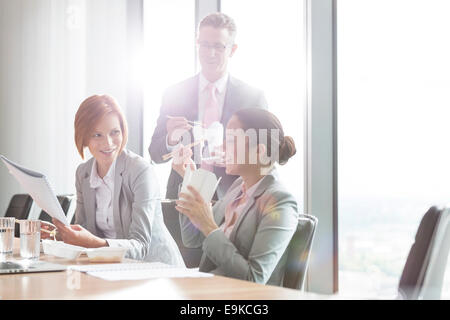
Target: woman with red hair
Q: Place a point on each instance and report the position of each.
(118, 201)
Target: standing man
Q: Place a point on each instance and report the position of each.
(212, 95)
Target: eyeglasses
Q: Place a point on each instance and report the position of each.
(219, 47)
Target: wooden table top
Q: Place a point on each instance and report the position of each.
(77, 285)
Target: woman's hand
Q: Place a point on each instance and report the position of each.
(49, 227)
(78, 236)
(197, 210)
(182, 159)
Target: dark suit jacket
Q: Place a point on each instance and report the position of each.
(182, 100)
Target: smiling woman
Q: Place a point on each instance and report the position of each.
(102, 129)
(117, 191)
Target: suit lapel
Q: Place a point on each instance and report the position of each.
(89, 200)
(120, 166)
(267, 180)
(191, 106)
(192, 112)
(206, 264)
(230, 104)
(220, 216)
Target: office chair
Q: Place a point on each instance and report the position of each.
(423, 272)
(434, 276)
(298, 252)
(19, 207)
(64, 201)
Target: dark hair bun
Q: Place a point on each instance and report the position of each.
(287, 149)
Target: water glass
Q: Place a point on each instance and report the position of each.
(6, 235)
(30, 237)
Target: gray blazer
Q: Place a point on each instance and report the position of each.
(137, 212)
(256, 249)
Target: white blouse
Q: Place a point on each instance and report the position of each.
(104, 195)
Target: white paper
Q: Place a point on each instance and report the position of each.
(120, 266)
(148, 274)
(204, 181)
(37, 185)
(138, 271)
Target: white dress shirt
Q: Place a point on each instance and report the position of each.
(104, 195)
(221, 85)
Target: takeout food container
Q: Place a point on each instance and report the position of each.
(61, 249)
(106, 254)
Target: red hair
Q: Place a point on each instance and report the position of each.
(89, 114)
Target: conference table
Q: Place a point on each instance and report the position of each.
(72, 284)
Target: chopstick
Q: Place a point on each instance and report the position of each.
(198, 123)
(173, 200)
(45, 230)
(171, 154)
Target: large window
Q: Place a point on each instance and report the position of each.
(393, 112)
(270, 56)
(169, 57)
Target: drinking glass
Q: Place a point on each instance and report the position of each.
(6, 235)
(30, 237)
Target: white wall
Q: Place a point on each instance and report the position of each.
(54, 54)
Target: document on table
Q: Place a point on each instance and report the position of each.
(138, 271)
(37, 185)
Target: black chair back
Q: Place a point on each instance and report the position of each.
(19, 208)
(64, 201)
(299, 251)
(411, 280)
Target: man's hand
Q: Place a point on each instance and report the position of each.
(176, 127)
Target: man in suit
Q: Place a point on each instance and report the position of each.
(212, 95)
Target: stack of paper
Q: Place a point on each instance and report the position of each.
(138, 271)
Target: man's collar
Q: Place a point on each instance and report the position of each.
(219, 83)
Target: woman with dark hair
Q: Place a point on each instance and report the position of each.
(246, 233)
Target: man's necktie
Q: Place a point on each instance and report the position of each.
(211, 114)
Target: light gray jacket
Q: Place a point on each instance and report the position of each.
(137, 211)
(256, 249)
